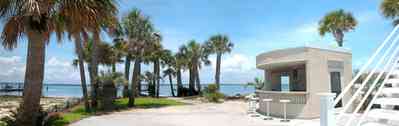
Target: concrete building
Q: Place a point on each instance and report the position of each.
(298, 74)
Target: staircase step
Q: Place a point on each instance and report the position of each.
(384, 114)
(387, 101)
(394, 91)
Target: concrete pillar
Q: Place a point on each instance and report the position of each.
(327, 109)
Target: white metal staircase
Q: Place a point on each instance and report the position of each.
(380, 87)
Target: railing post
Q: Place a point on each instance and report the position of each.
(327, 109)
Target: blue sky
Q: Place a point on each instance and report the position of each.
(253, 26)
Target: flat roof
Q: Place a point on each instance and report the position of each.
(323, 48)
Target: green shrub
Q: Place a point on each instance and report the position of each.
(2, 123)
(212, 93)
(54, 119)
(214, 97)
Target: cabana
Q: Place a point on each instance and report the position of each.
(298, 74)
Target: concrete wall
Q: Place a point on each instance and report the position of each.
(317, 73)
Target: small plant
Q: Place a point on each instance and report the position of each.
(212, 93)
(109, 81)
(258, 83)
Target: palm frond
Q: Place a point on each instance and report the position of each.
(12, 31)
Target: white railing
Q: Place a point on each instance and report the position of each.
(387, 64)
(294, 97)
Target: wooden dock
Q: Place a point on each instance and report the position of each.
(11, 87)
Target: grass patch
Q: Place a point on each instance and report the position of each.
(77, 113)
(147, 102)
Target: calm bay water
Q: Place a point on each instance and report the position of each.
(72, 90)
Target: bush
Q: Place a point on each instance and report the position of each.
(212, 93)
(214, 97)
(54, 119)
(2, 123)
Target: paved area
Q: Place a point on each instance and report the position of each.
(230, 113)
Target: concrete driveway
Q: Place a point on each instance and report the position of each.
(230, 113)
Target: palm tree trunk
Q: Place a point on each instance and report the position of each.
(127, 72)
(171, 86)
(339, 37)
(217, 74)
(94, 70)
(191, 81)
(157, 77)
(79, 51)
(179, 82)
(135, 81)
(33, 83)
(113, 67)
(151, 87)
(138, 86)
(197, 79)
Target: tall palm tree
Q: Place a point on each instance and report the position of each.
(219, 44)
(180, 63)
(31, 19)
(165, 59)
(139, 33)
(389, 9)
(119, 39)
(154, 54)
(101, 16)
(80, 15)
(170, 73)
(337, 22)
(35, 20)
(196, 55)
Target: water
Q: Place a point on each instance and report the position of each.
(73, 90)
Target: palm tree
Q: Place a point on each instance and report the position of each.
(219, 44)
(119, 39)
(337, 22)
(154, 54)
(196, 55)
(180, 63)
(36, 20)
(30, 18)
(139, 33)
(165, 59)
(170, 73)
(75, 26)
(390, 10)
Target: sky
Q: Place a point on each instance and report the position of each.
(253, 26)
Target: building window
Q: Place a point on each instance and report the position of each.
(285, 82)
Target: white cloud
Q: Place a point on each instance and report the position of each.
(12, 68)
(235, 63)
(57, 70)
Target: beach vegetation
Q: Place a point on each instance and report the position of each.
(212, 93)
